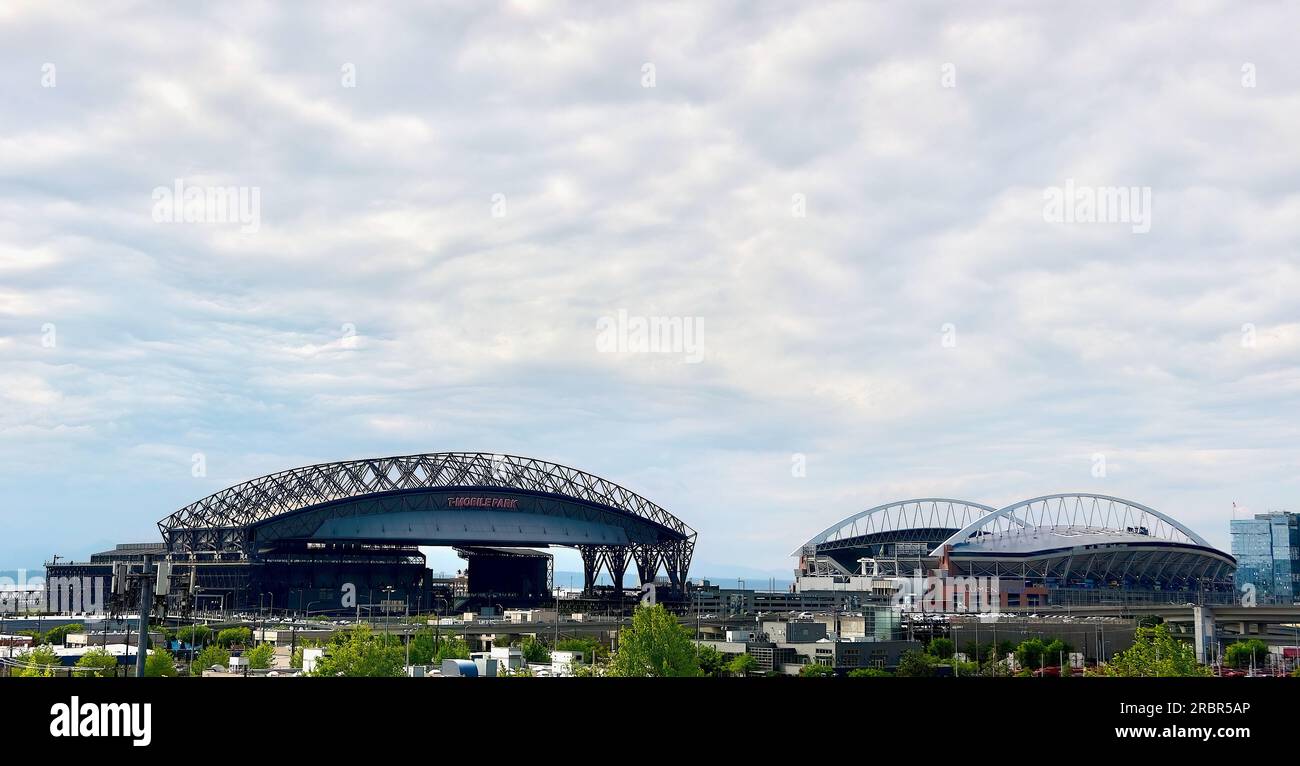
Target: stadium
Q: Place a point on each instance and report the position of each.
(1056, 550)
(300, 537)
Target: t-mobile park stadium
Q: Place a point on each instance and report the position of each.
(1066, 549)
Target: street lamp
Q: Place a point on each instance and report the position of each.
(388, 592)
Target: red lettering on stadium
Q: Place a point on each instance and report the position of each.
(482, 502)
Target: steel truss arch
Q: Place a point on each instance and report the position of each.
(920, 513)
(221, 523)
(1076, 511)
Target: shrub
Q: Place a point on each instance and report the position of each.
(260, 656)
(816, 670)
(98, 663)
(39, 662)
(160, 664)
(214, 654)
(942, 648)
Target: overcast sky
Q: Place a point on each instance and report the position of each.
(848, 204)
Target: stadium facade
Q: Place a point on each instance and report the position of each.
(299, 538)
(1062, 549)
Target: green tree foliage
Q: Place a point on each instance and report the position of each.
(914, 664)
(942, 648)
(98, 663)
(451, 648)
(240, 636)
(260, 656)
(712, 663)
(41, 662)
(160, 664)
(1150, 621)
(869, 673)
(424, 645)
(194, 635)
(1057, 653)
(816, 670)
(213, 654)
(534, 650)
(1245, 654)
(590, 647)
(742, 665)
(1155, 653)
(655, 645)
(58, 634)
(978, 652)
(1031, 653)
(363, 654)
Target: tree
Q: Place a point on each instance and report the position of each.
(260, 656)
(235, 636)
(914, 664)
(214, 654)
(1057, 652)
(451, 649)
(423, 645)
(160, 664)
(1030, 654)
(1155, 653)
(816, 670)
(39, 662)
(362, 654)
(742, 665)
(655, 645)
(942, 648)
(591, 648)
(869, 673)
(534, 650)
(57, 635)
(979, 652)
(98, 663)
(194, 635)
(712, 663)
(1245, 654)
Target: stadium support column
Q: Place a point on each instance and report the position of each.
(1205, 633)
(672, 562)
(590, 566)
(617, 557)
(647, 562)
(677, 560)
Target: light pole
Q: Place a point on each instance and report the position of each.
(437, 624)
(388, 594)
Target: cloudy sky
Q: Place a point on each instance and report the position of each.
(846, 202)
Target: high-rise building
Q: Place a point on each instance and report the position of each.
(1267, 549)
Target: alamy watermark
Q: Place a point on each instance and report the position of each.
(1098, 204)
(947, 595)
(58, 595)
(182, 203)
(628, 334)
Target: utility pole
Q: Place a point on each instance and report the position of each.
(146, 599)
